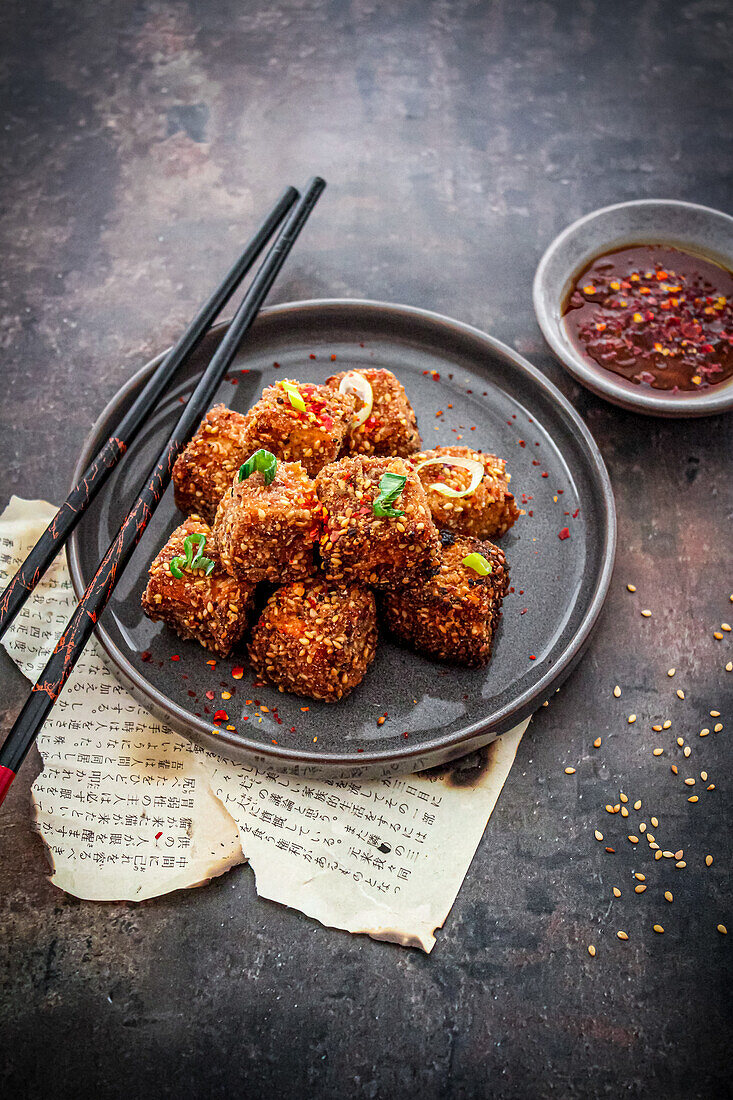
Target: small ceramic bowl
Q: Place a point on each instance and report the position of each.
(656, 221)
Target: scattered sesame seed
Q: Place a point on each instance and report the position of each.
(725, 627)
(667, 724)
(617, 691)
(591, 951)
(680, 693)
(711, 787)
(669, 896)
(729, 666)
(717, 727)
(680, 741)
(597, 743)
(633, 839)
(679, 855)
(668, 855)
(655, 822)
(637, 804)
(715, 714)
(690, 782)
(631, 719)
(704, 731)
(623, 935)
(622, 796)
(598, 834)
(612, 851)
(657, 752)
(638, 874)
(639, 889)
(616, 892)
(658, 928)
(687, 750)
(570, 771)
(624, 812)
(708, 861)
(610, 809)
(680, 863)
(631, 587)
(671, 671)
(694, 798)
(674, 769)
(657, 855)
(703, 776)
(642, 826)
(718, 635)
(646, 613)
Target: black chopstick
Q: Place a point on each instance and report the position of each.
(71, 511)
(46, 690)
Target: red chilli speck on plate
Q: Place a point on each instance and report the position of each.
(564, 534)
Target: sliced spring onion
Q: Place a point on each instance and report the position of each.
(261, 460)
(294, 395)
(472, 464)
(478, 563)
(353, 382)
(191, 560)
(390, 487)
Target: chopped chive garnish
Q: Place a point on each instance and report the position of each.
(390, 487)
(191, 561)
(478, 563)
(261, 460)
(294, 395)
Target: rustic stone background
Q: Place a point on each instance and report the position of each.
(140, 141)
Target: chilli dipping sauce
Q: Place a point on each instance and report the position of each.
(656, 315)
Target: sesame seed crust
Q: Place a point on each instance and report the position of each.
(314, 639)
(454, 614)
(204, 470)
(313, 437)
(211, 610)
(267, 532)
(488, 512)
(391, 428)
(358, 546)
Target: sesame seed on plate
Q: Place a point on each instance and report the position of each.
(667, 723)
(591, 950)
(708, 861)
(655, 822)
(717, 727)
(631, 719)
(680, 693)
(639, 889)
(597, 743)
(646, 613)
(657, 752)
(570, 771)
(616, 892)
(631, 587)
(617, 691)
(671, 671)
(658, 928)
(722, 929)
(669, 896)
(637, 804)
(624, 936)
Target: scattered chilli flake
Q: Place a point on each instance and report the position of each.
(237, 673)
(564, 534)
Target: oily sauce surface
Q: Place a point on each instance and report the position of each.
(656, 315)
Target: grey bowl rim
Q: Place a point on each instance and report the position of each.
(505, 718)
(603, 383)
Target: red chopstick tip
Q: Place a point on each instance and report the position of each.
(7, 775)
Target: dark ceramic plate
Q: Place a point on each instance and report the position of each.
(558, 585)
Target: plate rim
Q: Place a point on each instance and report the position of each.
(527, 703)
(713, 403)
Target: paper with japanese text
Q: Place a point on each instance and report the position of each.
(129, 809)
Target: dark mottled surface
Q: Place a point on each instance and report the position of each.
(139, 141)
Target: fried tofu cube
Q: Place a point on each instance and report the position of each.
(391, 427)
(300, 422)
(268, 532)
(488, 512)
(359, 545)
(204, 470)
(213, 610)
(314, 639)
(454, 614)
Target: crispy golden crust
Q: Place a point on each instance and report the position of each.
(391, 429)
(454, 614)
(313, 437)
(204, 470)
(212, 610)
(490, 510)
(267, 532)
(360, 547)
(315, 640)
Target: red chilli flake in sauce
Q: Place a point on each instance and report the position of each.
(658, 316)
